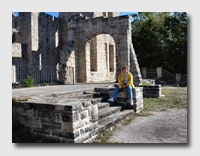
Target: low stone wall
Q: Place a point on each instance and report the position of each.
(63, 120)
(123, 97)
(151, 91)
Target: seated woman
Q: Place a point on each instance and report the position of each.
(125, 80)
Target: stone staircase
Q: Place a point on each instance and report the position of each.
(109, 113)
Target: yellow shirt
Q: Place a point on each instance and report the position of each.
(129, 78)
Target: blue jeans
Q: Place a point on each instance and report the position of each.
(129, 88)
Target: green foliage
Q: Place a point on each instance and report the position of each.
(150, 83)
(21, 98)
(54, 95)
(29, 81)
(144, 83)
(160, 40)
(14, 99)
(44, 84)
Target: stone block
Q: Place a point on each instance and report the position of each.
(50, 125)
(66, 140)
(74, 106)
(89, 128)
(67, 126)
(78, 124)
(84, 114)
(46, 115)
(82, 131)
(83, 137)
(35, 123)
(86, 103)
(41, 106)
(41, 130)
(27, 114)
(70, 117)
(66, 134)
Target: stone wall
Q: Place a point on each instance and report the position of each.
(123, 97)
(151, 91)
(59, 119)
(24, 35)
(44, 39)
(40, 32)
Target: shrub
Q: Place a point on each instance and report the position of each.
(44, 84)
(144, 83)
(29, 81)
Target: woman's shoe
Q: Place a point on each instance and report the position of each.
(111, 99)
(131, 103)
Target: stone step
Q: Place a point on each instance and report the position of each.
(100, 98)
(110, 120)
(103, 105)
(108, 111)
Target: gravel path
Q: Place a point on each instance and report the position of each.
(163, 127)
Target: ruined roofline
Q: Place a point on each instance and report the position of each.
(39, 12)
(48, 14)
(101, 17)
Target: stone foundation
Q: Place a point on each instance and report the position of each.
(60, 119)
(151, 91)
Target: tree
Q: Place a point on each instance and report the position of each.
(160, 39)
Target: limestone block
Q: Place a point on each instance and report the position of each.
(78, 124)
(41, 130)
(66, 134)
(84, 114)
(16, 50)
(50, 125)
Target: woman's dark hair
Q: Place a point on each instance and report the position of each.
(125, 67)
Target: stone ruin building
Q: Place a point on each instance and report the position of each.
(95, 44)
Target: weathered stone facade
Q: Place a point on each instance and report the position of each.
(62, 120)
(95, 44)
(151, 91)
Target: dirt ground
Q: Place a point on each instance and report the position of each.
(168, 126)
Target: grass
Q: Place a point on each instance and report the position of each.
(21, 98)
(54, 95)
(103, 137)
(174, 98)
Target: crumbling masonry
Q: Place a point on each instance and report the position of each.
(95, 44)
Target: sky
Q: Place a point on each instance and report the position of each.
(56, 13)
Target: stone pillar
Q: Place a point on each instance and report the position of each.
(144, 72)
(159, 72)
(13, 74)
(178, 77)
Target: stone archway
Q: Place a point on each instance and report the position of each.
(81, 31)
(100, 56)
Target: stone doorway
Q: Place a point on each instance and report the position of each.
(101, 58)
